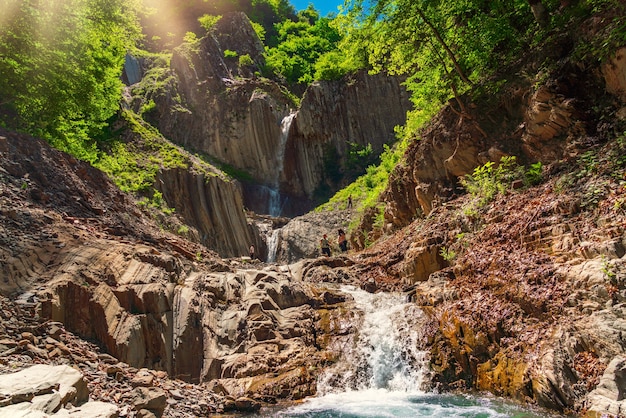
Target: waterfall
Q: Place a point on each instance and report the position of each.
(274, 204)
(384, 354)
(272, 246)
(381, 372)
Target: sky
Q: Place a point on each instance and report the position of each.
(323, 6)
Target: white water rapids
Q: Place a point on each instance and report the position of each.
(381, 373)
(384, 355)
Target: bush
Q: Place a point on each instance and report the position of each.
(489, 180)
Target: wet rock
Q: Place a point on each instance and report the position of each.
(242, 404)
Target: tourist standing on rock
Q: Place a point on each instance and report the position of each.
(252, 252)
(325, 246)
(342, 241)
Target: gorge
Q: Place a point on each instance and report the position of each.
(134, 311)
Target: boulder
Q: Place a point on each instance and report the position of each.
(43, 379)
(45, 390)
(93, 409)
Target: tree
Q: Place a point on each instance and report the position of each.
(60, 67)
(299, 45)
(443, 47)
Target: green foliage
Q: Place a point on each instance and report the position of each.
(534, 175)
(359, 157)
(489, 180)
(190, 38)
(134, 166)
(332, 65)
(208, 21)
(245, 60)
(366, 189)
(165, 22)
(230, 54)
(60, 67)
(447, 254)
(260, 30)
(226, 168)
(298, 47)
(155, 201)
(613, 35)
(442, 47)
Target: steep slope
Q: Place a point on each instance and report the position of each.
(525, 293)
(173, 329)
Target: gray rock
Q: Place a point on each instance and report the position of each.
(42, 379)
(609, 397)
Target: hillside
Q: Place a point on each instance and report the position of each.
(503, 225)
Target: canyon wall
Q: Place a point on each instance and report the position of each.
(214, 106)
(213, 206)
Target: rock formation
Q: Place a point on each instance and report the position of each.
(525, 294)
(161, 307)
(214, 106)
(213, 206)
(361, 109)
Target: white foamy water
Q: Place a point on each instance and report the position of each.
(384, 354)
(381, 374)
(274, 203)
(272, 245)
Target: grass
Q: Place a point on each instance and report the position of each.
(134, 166)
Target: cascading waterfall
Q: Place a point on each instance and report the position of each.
(274, 204)
(381, 373)
(384, 355)
(272, 246)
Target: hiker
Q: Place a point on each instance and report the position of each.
(325, 245)
(252, 252)
(349, 202)
(342, 241)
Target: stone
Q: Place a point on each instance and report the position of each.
(92, 409)
(609, 397)
(142, 378)
(42, 378)
(153, 399)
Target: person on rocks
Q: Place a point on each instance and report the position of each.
(252, 252)
(349, 202)
(325, 245)
(342, 241)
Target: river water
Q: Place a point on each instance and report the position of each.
(381, 374)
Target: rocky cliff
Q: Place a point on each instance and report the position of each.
(361, 109)
(214, 207)
(213, 105)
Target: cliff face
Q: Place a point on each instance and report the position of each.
(361, 110)
(214, 106)
(213, 207)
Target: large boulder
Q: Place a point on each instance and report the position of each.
(43, 391)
